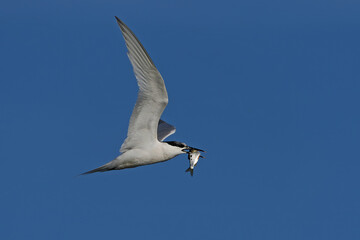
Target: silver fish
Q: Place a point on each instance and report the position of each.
(193, 156)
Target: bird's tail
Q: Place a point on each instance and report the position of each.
(103, 168)
(191, 170)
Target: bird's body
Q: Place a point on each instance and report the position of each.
(158, 152)
(144, 143)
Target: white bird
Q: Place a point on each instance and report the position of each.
(144, 143)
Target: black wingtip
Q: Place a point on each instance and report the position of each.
(121, 23)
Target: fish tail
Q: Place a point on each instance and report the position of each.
(191, 171)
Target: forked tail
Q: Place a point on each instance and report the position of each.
(103, 168)
(191, 171)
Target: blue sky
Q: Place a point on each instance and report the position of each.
(269, 88)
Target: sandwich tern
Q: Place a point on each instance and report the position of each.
(144, 143)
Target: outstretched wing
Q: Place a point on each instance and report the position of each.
(152, 97)
(164, 130)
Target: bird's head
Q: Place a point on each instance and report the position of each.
(177, 144)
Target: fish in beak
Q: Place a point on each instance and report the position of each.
(193, 156)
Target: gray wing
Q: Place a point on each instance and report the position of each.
(164, 130)
(152, 97)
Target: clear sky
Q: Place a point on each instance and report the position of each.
(271, 89)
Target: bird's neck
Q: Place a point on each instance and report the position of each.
(170, 151)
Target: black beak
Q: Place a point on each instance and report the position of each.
(192, 148)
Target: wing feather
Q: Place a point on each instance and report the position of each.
(165, 130)
(152, 96)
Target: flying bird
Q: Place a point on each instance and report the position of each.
(144, 144)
